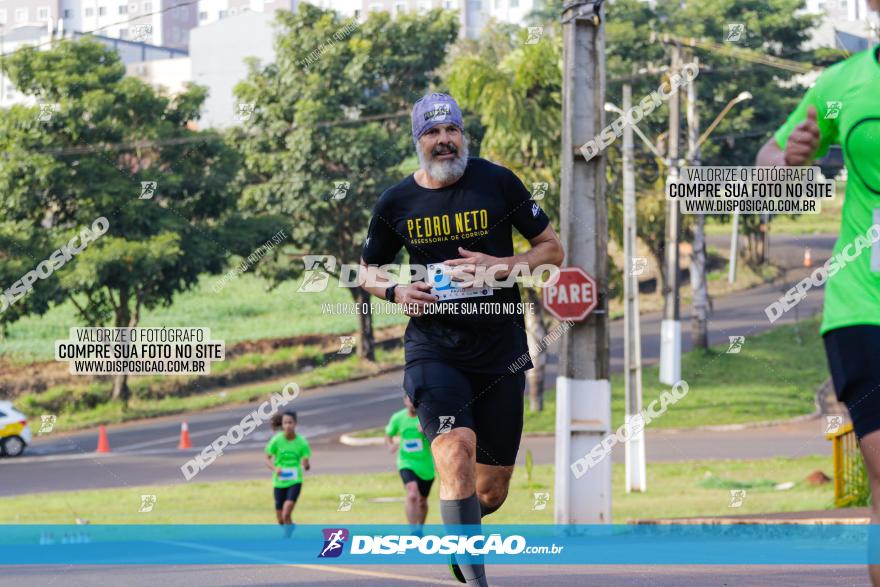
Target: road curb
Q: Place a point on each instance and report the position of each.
(350, 440)
(744, 426)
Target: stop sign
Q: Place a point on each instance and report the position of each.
(573, 296)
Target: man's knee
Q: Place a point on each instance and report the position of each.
(492, 497)
(455, 450)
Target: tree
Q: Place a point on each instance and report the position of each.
(313, 125)
(83, 153)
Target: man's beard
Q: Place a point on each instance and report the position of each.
(447, 170)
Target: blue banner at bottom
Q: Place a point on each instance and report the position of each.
(704, 544)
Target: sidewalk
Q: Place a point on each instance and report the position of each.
(839, 516)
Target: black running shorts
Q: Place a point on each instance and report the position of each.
(283, 494)
(854, 362)
(489, 404)
(424, 484)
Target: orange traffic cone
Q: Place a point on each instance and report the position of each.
(808, 258)
(184, 436)
(103, 445)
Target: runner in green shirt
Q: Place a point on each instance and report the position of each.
(843, 108)
(287, 454)
(414, 460)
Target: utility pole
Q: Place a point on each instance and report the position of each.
(734, 242)
(699, 285)
(670, 327)
(636, 479)
(583, 389)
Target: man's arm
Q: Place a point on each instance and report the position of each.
(389, 442)
(415, 296)
(546, 250)
(306, 464)
(799, 149)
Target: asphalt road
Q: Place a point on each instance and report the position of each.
(406, 576)
(146, 453)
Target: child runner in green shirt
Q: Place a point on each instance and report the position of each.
(287, 454)
(414, 461)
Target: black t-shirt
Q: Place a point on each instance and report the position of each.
(477, 213)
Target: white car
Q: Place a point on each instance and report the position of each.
(15, 434)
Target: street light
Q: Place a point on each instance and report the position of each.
(743, 96)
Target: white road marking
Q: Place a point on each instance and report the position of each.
(325, 568)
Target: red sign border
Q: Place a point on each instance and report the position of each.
(589, 308)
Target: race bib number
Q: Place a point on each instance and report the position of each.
(288, 475)
(412, 445)
(442, 286)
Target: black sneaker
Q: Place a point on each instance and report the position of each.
(455, 570)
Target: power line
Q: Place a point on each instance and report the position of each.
(107, 26)
(738, 53)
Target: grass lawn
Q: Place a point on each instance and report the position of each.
(699, 488)
(774, 376)
(242, 310)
